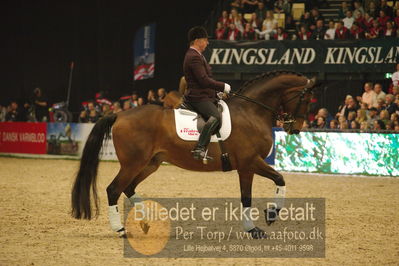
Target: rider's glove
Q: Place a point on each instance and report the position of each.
(227, 88)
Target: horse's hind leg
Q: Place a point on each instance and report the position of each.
(153, 165)
(114, 190)
(263, 169)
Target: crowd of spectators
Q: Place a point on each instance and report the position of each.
(256, 20)
(92, 110)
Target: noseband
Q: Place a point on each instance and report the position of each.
(287, 119)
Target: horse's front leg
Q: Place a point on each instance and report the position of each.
(263, 169)
(246, 179)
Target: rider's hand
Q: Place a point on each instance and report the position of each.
(227, 88)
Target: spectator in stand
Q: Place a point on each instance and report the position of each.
(390, 106)
(341, 32)
(306, 124)
(254, 21)
(372, 10)
(289, 23)
(249, 32)
(375, 31)
(330, 33)
(161, 94)
(386, 8)
(305, 20)
(282, 6)
(323, 112)
(232, 34)
(364, 126)
(224, 19)
(260, 11)
(369, 96)
(269, 4)
(304, 34)
(389, 31)
(396, 19)
(343, 123)
(352, 107)
(384, 116)
(354, 125)
(334, 124)
(351, 117)
(249, 6)
(395, 77)
(319, 32)
(280, 34)
(378, 92)
(321, 122)
(40, 106)
(12, 114)
(135, 96)
(151, 97)
(127, 104)
(220, 31)
(395, 7)
(140, 101)
(91, 115)
(236, 18)
(269, 26)
(314, 17)
(106, 109)
(348, 20)
(342, 11)
(358, 9)
(359, 19)
(3, 112)
(237, 5)
(356, 32)
(367, 22)
(116, 107)
(372, 117)
(379, 125)
(342, 108)
(361, 116)
(383, 19)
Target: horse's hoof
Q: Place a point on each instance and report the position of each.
(257, 233)
(271, 215)
(122, 233)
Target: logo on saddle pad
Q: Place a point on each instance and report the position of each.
(186, 124)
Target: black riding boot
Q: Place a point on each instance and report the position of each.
(204, 139)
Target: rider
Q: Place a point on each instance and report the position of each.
(201, 88)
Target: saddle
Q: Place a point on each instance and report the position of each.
(189, 125)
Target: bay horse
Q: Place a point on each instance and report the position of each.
(144, 137)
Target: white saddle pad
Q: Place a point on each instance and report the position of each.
(186, 124)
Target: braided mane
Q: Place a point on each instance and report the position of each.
(266, 76)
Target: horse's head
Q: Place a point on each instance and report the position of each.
(295, 103)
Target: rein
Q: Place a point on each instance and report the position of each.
(285, 117)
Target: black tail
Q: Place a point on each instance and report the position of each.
(86, 179)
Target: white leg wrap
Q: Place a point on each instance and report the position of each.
(247, 222)
(280, 196)
(114, 218)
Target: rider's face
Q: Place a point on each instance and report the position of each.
(202, 43)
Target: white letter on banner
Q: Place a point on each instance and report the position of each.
(285, 58)
(226, 56)
(309, 57)
(215, 56)
(360, 60)
(262, 56)
(270, 57)
(330, 56)
(378, 59)
(370, 53)
(251, 58)
(348, 53)
(296, 55)
(237, 56)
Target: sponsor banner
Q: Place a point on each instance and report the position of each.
(379, 55)
(144, 52)
(338, 153)
(70, 139)
(20, 137)
(213, 228)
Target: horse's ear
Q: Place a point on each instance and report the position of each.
(311, 83)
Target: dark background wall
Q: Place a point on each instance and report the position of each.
(40, 38)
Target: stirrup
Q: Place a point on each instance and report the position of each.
(200, 154)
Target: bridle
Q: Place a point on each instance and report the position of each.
(287, 119)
